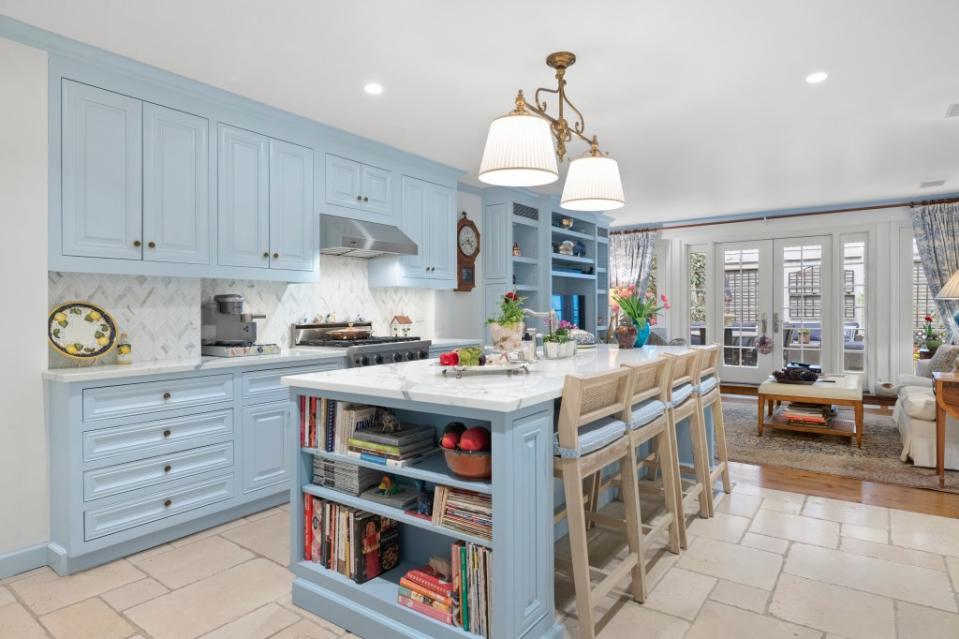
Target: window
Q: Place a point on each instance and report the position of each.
(651, 282)
(740, 306)
(696, 266)
(802, 303)
(854, 304)
(923, 303)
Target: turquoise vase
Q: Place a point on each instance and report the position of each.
(642, 334)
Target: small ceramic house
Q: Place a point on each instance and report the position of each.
(401, 326)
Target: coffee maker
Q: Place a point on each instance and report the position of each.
(228, 331)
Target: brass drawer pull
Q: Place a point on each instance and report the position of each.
(167, 503)
(167, 433)
(359, 198)
(266, 255)
(167, 468)
(151, 244)
(276, 256)
(136, 243)
(167, 395)
(366, 199)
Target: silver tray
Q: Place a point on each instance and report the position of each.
(511, 369)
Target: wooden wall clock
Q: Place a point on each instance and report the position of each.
(467, 248)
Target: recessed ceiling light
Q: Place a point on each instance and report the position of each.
(373, 88)
(816, 77)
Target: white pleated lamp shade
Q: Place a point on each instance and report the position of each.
(951, 289)
(519, 152)
(593, 184)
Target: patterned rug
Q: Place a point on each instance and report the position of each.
(877, 460)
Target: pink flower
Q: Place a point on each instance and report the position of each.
(614, 307)
(666, 304)
(663, 298)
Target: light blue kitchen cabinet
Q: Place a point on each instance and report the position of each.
(292, 228)
(441, 233)
(243, 210)
(101, 173)
(496, 243)
(266, 457)
(176, 196)
(358, 186)
(414, 224)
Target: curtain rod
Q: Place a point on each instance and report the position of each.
(948, 200)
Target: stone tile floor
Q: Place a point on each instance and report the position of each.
(771, 564)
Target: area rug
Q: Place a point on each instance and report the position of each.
(877, 460)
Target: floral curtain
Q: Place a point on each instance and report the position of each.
(936, 229)
(631, 257)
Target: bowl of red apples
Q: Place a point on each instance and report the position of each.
(467, 450)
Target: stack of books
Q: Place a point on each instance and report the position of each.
(463, 510)
(343, 476)
(472, 566)
(357, 544)
(328, 424)
(803, 413)
(401, 447)
(427, 592)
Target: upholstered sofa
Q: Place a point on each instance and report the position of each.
(915, 413)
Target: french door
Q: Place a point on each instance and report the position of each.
(774, 304)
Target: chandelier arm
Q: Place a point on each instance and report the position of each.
(579, 126)
(542, 105)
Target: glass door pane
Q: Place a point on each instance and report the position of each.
(744, 302)
(802, 302)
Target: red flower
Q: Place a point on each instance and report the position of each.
(929, 318)
(511, 296)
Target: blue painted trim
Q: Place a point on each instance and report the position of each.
(462, 187)
(22, 560)
(773, 213)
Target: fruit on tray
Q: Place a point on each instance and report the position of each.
(451, 435)
(470, 356)
(475, 439)
(449, 359)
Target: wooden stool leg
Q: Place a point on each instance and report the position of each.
(634, 523)
(697, 433)
(669, 490)
(592, 502)
(675, 479)
(760, 414)
(719, 431)
(579, 554)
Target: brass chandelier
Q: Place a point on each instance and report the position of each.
(522, 148)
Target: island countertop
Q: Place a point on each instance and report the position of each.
(422, 381)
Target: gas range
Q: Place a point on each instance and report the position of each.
(364, 348)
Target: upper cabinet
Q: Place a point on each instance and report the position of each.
(244, 200)
(176, 181)
(292, 234)
(358, 186)
(101, 173)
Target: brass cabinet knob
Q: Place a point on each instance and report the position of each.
(276, 256)
(366, 199)
(151, 244)
(137, 243)
(167, 433)
(167, 395)
(167, 468)
(266, 255)
(359, 198)
(167, 503)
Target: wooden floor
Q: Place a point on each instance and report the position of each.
(930, 502)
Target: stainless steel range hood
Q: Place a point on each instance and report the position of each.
(355, 238)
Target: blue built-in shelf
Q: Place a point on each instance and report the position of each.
(559, 257)
(522, 259)
(432, 469)
(525, 221)
(393, 513)
(570, 233)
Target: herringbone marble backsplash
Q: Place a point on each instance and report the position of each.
(161, 315)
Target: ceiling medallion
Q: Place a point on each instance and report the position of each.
(522, 148)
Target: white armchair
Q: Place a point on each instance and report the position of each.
(915, 414)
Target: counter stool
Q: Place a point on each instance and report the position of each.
(591, 435)
(706, 383)
(648, 423)
(682, 405)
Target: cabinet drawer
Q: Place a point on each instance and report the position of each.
(156, 470)
(147, 397)
(149, 437)
(266, 384)
(141, 510)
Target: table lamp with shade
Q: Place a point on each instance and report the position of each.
(950, 291)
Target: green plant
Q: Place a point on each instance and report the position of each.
(560, 335)
(511, 310)
(638, 308)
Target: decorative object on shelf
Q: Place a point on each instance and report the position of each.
(559, 344)
(124, 350)
(467, 248)
(640, 309)
(520, 149)
(516, 250)
(467, 450)
(81, 331)
(401, 326)
(579, 248)
(930, 338)
(506, 330)
(566, 247)
(566, 223)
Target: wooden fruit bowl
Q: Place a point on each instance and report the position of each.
(472, 464)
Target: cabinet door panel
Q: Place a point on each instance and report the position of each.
(176, 204)
(266, 460)
(497, 244)
(244, 204)
(102, 172)
(293, 246)
(343, 182)
(414, 224)
(442, 233)
(376, 189)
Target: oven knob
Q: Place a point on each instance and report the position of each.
(378, 359)
(411, 355)
(365, 361)
(397, 357)
(424, 354)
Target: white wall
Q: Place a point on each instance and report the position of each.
(24, 488)
(464, 314)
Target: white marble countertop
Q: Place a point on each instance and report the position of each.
(422, 381)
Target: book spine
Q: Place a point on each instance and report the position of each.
(426, 592)
(302, 400)
(311, 432)
(465, 595)
(429, 611)
(423, 599)
(330, 424)
(430, 581)
(307, 526)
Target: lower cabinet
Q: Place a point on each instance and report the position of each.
(266, 455)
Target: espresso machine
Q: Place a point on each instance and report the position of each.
(228, 331)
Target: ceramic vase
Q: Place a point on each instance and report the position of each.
(506, 338)
(933, 345)
(642, 334)
(555, 350)
(626, 335)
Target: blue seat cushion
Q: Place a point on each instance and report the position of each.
(681, 394)
(591, 438)
(707, 384)
(647, 412)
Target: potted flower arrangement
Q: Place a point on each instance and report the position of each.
(638, 315)
(506, 330)
(558, 344)
(930, 338)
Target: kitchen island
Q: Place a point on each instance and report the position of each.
(519, 410)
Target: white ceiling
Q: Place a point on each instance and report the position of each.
(703, 103)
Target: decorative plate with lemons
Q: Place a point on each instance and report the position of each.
(81, 330)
